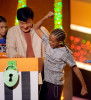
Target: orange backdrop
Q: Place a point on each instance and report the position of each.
(81, 12)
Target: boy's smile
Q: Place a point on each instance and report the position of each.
(26, 26)
(54, 43)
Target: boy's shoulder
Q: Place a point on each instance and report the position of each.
(60, 51)
(65, 51)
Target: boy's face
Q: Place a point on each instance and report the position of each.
(3, 29)
(26, 26)
(54, 43)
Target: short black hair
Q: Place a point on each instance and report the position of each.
(2, 19)
(24, 13)
(59, 34)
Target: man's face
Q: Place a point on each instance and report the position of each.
(26, 26)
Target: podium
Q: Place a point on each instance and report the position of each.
(27, 86)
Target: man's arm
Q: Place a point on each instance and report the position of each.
(39, 23)
(11, 45)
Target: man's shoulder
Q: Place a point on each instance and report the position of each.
(42, 27)
(44, 30)
(14, 27)
(13, 30)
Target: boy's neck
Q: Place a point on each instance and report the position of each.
(61, 46)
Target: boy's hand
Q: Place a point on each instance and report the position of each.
(49, 15)
(84, 91)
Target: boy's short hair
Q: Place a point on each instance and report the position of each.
(24, 13)
(2, 19)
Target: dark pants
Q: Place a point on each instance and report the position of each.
(50, 91)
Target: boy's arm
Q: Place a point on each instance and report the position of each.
(39, 23)
(80, 77)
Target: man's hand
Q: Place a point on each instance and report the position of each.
(18, 56)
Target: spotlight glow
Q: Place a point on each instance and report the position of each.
(80, 28)
(58, 14)
(83, 66)
(21, 3)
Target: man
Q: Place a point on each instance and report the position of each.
(22, 40)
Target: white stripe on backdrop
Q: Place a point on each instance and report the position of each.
(17, 92)
(34, 85)
(2, 97)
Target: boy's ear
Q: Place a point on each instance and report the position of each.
(60, 43)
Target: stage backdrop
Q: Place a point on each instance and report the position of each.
(8, 9)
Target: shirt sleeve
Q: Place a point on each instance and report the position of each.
(45, 39)
(68, 58)
(43, 46)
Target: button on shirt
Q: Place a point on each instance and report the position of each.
(55, 60)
